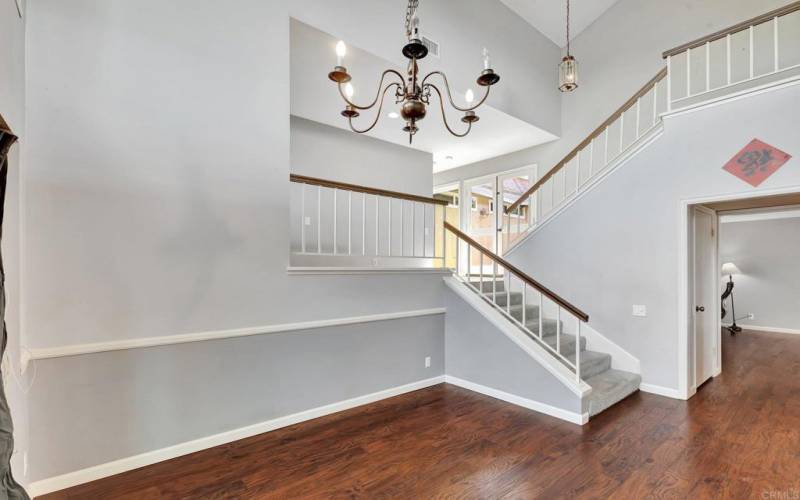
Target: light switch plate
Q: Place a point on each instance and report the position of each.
(307, 221)
(639, 310)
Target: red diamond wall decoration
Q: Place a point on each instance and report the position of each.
(756, 162)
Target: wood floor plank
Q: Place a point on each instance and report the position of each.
(739, 437)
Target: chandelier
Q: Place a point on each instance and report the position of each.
(568, 69)
(412, 93)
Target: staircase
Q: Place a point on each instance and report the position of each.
(609, 386)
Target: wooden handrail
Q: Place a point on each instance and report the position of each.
(519, 274)
(314, 181)
(595, 133)
(786, 9)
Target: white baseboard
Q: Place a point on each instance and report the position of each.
(572, 417)
(769, 329)
(661, 391)
(93, 473)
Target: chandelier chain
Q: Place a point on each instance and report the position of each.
(410, 11)
(567, 27)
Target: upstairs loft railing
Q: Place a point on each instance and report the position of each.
(762, 50)
(606, 143)
(756, 49)
(531, 306)
(348, 220)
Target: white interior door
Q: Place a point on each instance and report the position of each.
(705, 310)
(511, 186)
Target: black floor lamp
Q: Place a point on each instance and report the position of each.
(730, 269)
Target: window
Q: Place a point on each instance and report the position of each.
(491, 206)
(474, 203)
(454, 202)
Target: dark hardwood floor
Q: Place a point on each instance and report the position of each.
(739, 437)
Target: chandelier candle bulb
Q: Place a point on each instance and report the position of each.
(486, 61)
(348, 90)
(341, 51)
(469, 96)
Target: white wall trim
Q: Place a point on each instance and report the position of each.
(118, 345)
(633, 149)
(56, 483)
(735, 96)
(759, 214)
(516, 335)
(572, 417)
(768, 329)
(662, 391)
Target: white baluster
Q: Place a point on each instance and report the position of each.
(541, 315)
(303, 218)
(669, 83)
(319, 219)
(413, 228)
(363, 223)
(578, 173)
(578, 352)
(591, 157)
(621, 132)
(390, 227)
(775, 42)
(377, 225)
(558, 328)
(688, 72)
(524, 304)
(349, 223)
(655, 103)
(402, 229)
(335, 240)
(752, 56)
(480, 279)
(508, 295)
(605, 156)
(728, 57)
(494, 282)
(708, 66)
(638, 116)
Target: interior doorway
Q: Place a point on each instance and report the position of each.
(703, 284)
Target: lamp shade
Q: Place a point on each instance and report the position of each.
(729, 268)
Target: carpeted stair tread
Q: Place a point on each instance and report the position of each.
(609, 388)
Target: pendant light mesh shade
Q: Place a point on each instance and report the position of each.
(568, 74)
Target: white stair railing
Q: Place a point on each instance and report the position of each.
(335, 219)
(716, 65)
(697, 72)
(512, 293)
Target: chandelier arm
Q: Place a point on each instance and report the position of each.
(450, 96)
(444, 117)
(378, 96)
(381, 95)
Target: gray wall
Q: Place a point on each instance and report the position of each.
(319, 150)
(157, 203)
(617, 54)
(476, 351)
(100, 407)
(12, 107)
(618, 244)
(769, 287)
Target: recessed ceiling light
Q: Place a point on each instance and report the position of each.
(448, 157)
(393, 114)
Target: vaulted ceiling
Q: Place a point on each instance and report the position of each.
(549, 16)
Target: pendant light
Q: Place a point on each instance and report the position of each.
(568, 69)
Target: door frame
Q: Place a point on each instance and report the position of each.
(715, 283)
(685, 389)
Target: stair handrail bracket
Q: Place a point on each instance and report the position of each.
(497, 287)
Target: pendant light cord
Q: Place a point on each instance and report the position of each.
(567, 27)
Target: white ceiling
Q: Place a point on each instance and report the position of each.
(549, 16)
(316, 98)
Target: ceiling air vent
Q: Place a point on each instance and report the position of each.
(433, 47)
